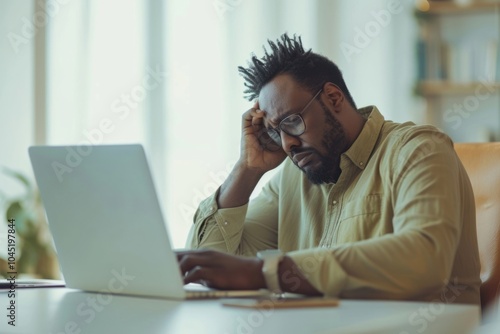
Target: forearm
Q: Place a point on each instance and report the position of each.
(386, 267)
(237, 188)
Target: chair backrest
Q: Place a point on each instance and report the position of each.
(482, 163)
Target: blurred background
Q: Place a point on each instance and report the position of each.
(164, 74)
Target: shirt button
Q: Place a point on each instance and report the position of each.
(334, 202)
(361, 164)
(225, 223)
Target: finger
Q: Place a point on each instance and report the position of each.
(194, 259)
(180, 253)
(258, 118)
(253, 117)
(199, 275)
(253, 112)
(249, 114)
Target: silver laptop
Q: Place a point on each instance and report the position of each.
(107, 225)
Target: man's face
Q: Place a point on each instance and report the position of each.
(317, 151)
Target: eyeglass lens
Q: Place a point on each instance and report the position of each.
(292, 125)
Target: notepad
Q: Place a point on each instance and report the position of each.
(269, 303)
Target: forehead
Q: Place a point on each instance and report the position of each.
(282, 96)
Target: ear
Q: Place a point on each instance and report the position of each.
(335, 95)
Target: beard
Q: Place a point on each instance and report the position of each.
(335, 143)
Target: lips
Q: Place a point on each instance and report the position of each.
(302, 159)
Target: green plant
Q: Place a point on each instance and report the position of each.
(35, 255)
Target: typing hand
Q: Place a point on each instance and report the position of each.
(220, 270)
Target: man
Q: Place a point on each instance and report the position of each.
(361, 207)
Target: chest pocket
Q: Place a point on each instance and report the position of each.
(363, 218)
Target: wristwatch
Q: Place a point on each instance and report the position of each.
(272, 259)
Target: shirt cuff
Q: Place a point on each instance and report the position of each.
(321, 269)
(228, 221)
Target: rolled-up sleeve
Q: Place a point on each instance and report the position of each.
(216, 228)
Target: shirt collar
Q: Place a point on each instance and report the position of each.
(360, 151)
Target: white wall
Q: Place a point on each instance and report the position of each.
(16, 93)
(376, 53)
(16, 102)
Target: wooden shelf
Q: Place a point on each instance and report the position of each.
(449, 7)
(441, 88)
(457, 43)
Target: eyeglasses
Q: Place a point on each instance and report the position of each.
(292, 125)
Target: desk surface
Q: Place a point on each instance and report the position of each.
(61, 310)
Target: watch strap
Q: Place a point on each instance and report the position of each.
(271, 259)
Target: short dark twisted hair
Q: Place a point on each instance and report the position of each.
(288, 56)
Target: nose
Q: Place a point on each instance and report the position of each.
(289, 142)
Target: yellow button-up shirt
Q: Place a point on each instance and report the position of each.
(398, 224)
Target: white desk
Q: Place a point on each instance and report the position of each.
(60, 310)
